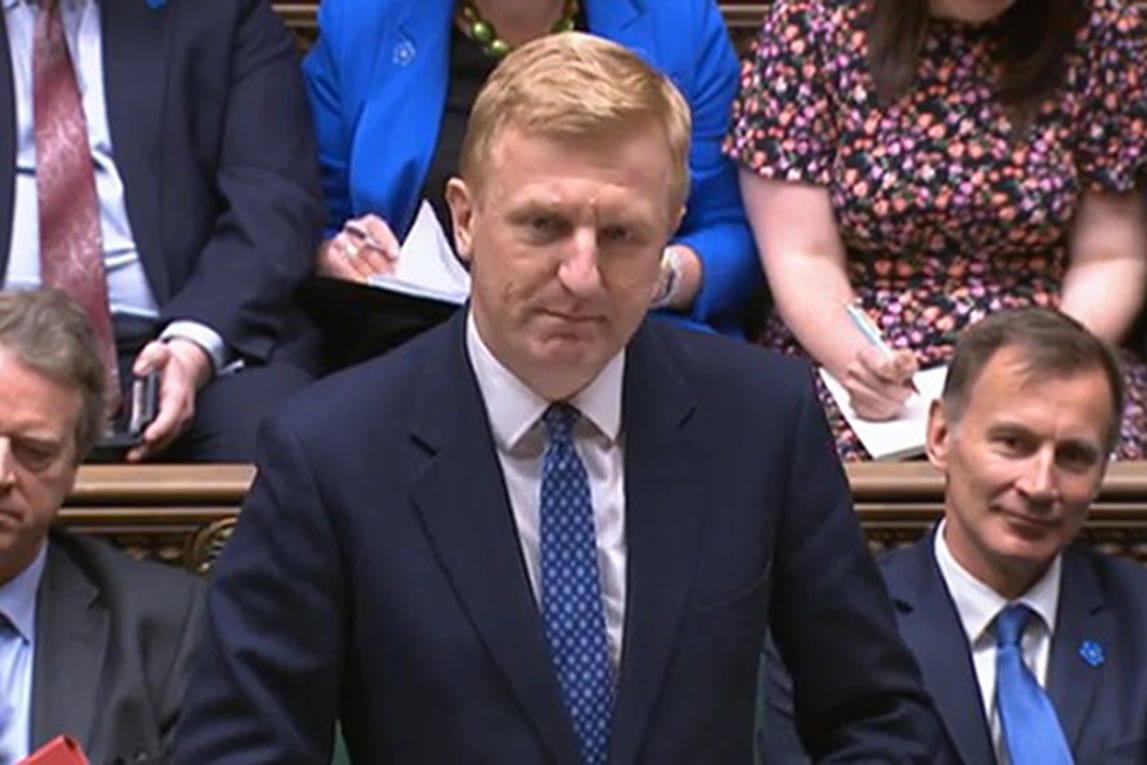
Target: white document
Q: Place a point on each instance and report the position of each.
(426, 265)
(901, 437)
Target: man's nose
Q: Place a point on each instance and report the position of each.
(1039, 481)
(7, 464)
(579, 270)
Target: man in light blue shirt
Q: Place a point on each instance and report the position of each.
(93, 644)
(208, 201)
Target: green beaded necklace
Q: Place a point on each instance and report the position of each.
(482, 32)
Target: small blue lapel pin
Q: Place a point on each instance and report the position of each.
(156, 4)
(1092, 653)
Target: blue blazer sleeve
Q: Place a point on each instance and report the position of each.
(714, 225)
(321, 74)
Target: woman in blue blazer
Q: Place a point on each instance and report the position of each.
(386, 79)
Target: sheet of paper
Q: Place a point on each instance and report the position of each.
(426, 265)
(901, 437)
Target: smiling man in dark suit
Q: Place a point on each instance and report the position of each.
(93, 644)
(160, 167)
(552, 530)
(1031, 645)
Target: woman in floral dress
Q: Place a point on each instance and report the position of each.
(936, 160)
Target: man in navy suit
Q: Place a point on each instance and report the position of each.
(1030, 413)
(552, 530)
(207, 197)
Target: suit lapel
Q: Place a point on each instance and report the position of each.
(71, 643)
(7, 150)
(462, 500)
(930, 625)
(1073, 682)
(135, 39)
(663, 504)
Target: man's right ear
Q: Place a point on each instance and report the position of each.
(938, 435)
(460, 199)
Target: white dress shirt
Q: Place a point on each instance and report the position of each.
(128, 290)
(978, 605)
(515, 412)
(17, 653)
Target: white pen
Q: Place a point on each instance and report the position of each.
(861, 321)
(366, 239)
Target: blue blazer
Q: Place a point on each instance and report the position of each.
(376, 575)
(377, 82)
(210, 131)
(1102, 707)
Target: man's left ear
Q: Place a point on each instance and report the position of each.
(937, 435)
(458, 196)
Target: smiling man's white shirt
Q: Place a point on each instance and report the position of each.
(514, 412)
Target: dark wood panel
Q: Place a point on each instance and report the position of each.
(183, 514)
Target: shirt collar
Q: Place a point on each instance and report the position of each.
(978, 604)
(514, 408)
(18, 596)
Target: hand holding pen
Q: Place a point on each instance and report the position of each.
(365, 246)
(878, 379)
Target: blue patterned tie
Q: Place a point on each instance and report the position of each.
(571, 590)
(1030, 726)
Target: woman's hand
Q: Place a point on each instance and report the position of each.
(366, 246)
(878, 385)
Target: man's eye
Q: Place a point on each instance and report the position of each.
(34, 456)
(1009, 443)
(616, 234)
(543, 225)
(1077, 458)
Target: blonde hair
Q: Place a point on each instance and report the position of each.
(574, 85)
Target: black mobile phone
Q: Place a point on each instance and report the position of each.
(139, 409)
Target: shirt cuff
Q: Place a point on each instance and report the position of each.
(203, 336)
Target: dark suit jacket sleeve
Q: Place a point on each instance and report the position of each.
(857, 692)
(174, 686)
(266, 689)
(777, 739)
(263, 242)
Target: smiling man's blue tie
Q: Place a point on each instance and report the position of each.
(1031, 728)
(571, 588)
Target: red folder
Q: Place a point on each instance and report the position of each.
(59, 751)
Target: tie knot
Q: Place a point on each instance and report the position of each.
(1010, 624)
(560, 419)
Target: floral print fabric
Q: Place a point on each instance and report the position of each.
(946, 211)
